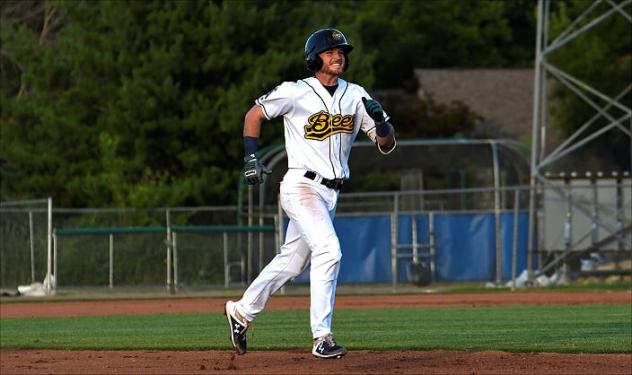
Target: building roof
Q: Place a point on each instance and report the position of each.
(503, 97)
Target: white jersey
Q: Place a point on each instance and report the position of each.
(319, 128)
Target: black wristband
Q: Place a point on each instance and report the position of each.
(250, 145)
(382, 129)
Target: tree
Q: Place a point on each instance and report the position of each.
(111, 103)
(141, 104)
(409, 34)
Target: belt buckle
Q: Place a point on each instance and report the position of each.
(335, 184)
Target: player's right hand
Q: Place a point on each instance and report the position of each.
(374, 110)
(254, 171)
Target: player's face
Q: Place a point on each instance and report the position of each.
(333, 61)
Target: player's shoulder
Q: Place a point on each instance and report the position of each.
(283, 89)
(293, 86)
(286, 85)
(306, 83)
(301, 86)
(354, 88)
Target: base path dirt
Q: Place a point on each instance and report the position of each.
(302, 362)
(14, 361)
(181, 305)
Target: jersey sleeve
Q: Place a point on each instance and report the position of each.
(278, 101)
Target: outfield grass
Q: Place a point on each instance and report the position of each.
(624, 285)
(560, 328)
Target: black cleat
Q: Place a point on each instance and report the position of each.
(326, 347)
(237, 328)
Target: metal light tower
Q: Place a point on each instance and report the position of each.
(601, 102)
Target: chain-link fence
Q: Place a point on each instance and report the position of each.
(194, 247)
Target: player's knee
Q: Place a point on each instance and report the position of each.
(292, 273)
(331, 253)
(337, 255)
(331, 250)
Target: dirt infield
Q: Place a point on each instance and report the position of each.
(302, 362)
(295, 362)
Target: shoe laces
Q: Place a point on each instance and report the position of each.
(328, 338)
(242, 321)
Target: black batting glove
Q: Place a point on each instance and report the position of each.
(374, 110)
(254, 171)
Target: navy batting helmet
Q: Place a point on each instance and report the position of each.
(323, 40)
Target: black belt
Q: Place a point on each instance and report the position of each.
(335, 184)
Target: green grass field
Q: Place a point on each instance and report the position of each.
(561, 328)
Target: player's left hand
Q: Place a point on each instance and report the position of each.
(254, 170)
(374, 110)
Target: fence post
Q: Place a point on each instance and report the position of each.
(50, 284)
(497, 229)
(174, 249)
(249, 235)
(514, 239)
(394, 219)
(414, 238)
(620, 218)
(432, 242)
(261, 240)
(226, 266)
(111, 260)
(168, 218)
(32, 246)
(594, 226)
(568, 225)
(55, 257)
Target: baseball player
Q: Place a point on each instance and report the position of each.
(322, 116)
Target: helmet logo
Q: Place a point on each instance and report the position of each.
(336, 36)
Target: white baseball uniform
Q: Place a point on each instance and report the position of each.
(319, 132)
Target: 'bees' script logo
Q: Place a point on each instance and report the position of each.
(321, 125)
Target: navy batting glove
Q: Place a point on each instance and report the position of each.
(254, 171)
(374, 109)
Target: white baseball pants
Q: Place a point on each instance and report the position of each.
(310, 237)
